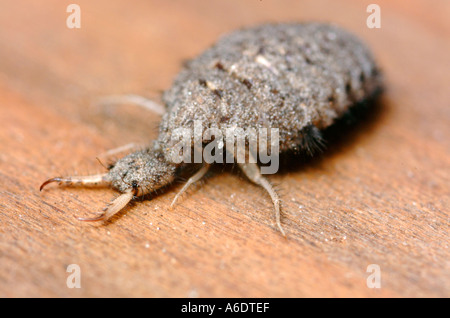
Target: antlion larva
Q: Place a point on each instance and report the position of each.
(298, 78)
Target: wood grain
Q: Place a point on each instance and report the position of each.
(378, 195)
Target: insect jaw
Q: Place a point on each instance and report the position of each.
(57, 179)
(139, 191)
(114, 207)
(100, 180)
(93, 180)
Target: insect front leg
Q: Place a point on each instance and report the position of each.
(143, 102)
(113, 152)
(197, 176)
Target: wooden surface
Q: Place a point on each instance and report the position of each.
(379, 195)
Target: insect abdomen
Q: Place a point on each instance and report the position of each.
(286, 76)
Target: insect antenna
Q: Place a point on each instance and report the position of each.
(101, 163)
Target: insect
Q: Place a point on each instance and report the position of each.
(299, 78)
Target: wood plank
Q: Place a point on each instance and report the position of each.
(378, 195)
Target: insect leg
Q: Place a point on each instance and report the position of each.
(124, 148)
(252, 171)
(92, 180)
(146, 103)
(197, 176)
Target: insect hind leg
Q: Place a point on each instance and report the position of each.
(251, 170)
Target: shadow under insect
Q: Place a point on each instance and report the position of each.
(339, 137)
